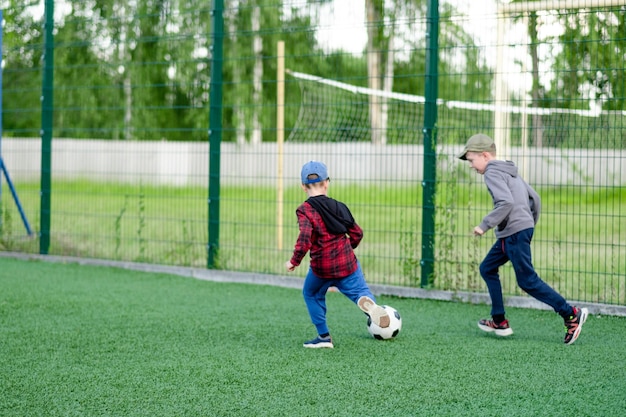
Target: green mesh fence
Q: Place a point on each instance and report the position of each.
(131, 87)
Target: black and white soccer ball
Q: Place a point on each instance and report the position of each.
(395, 325)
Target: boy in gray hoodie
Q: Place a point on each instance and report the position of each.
(516, 208)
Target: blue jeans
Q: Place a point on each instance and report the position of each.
(516, 248)
(314, 291)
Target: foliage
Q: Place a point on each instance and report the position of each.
(592, 44)
(21, 72)
(140, 70)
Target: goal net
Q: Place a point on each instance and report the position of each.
(333, 111)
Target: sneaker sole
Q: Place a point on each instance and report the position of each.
(498, 332)
(379, 315)
(327, 345)
(583, 318)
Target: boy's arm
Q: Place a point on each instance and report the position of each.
(356, 234)
(502, 201)
(303, 244)
(534, 201)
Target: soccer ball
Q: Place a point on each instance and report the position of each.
(395, 325)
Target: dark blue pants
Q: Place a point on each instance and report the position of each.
(516, 248)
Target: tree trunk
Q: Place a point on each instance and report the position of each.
(537, 91)
(387, 87)
(239, 117)
(257, 76)
(374, 69)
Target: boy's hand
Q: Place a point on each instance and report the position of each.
(478, 231)
(289, 266)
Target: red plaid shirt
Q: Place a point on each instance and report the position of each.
(332, 256)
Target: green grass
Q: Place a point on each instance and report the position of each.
(578, 246)
(95, 341)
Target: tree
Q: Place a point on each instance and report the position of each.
(246, 62)
(253, 31)
(21, 90)
(387, 71)
(139, 64)
(585, 60)
(588, 69)
(375, 46)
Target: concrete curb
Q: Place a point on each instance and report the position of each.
(296, 283)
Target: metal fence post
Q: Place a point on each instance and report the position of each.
(47, 111)
(215, 133)
(430, 142)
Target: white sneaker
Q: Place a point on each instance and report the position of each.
(489, 326)
(379, 315)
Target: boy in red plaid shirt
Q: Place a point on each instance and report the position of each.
(330, 233)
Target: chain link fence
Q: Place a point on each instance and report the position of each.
(173, 132)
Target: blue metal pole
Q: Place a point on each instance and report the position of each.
(3, 168)
(1, 92)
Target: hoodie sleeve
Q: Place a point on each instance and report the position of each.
(356, 234)
(534, 202)
(502, 200)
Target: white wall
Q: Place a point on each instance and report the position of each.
(176, 163)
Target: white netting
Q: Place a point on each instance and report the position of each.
(333, 111)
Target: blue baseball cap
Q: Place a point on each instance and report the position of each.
(314, 168)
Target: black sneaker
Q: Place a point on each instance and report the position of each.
(501, 329)
(318, 342)
(574, 324)
(379, 315)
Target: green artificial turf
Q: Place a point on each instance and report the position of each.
(94, 341)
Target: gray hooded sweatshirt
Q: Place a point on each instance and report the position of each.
(516, 206)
